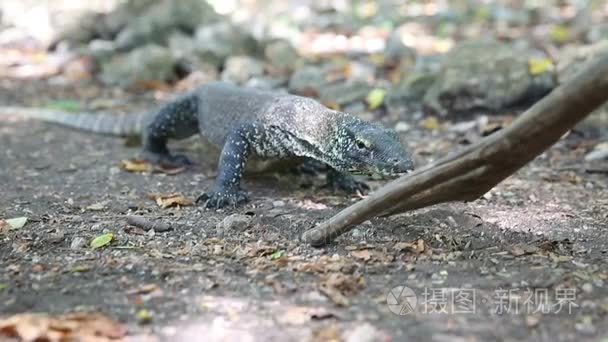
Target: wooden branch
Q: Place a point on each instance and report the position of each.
(470, 173)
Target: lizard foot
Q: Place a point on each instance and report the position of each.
(311, 167)
(347, 183)
(168, 160)
(222, 198)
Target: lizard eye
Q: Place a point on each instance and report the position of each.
(361, 144)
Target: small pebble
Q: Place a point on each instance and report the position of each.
(78, 242)
(236, 222)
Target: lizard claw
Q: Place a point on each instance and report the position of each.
(223, 198)
(168, 160)
(346, 183)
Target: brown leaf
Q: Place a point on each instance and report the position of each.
(136, 165)
(522, 249)
(334, 295)
(140, 165)
(4, 227)
(418, 247)
(171, 200)
(144, 289)
(336, 286)
(362, 254)
(69, 327)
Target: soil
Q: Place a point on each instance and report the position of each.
(539, 237)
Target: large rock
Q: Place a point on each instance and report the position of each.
(148, 63)
(281, 56)
(160, 20)
(407, 95)
(396, 52)
(344, 93)
(240, 69)
(183, 48)
(597, 33)
(489, 77)
(316, 81)
(216, 42)
(307, 80)
(571, 62)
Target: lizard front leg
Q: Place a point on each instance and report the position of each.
(337, 180)
(227, 190)
(175, 120)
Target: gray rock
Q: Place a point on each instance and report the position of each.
(344, 93)
(486, 76)
(311, 81)
(101, 48)
(281, 56)
(597, 33)
(148, 63)
(364, 332)
(600, 152)
(239, 69)
(78, 242)
(161, 19)
(307, 80)
(408, 94)
(183, 49)
(216, 42)
(234, 222)
(396, 51)
(266, 83)
(277, 204)
(402, 127)
(570, 62)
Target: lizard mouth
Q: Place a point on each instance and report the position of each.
(379, 173)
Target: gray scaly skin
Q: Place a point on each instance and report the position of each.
(245, 122)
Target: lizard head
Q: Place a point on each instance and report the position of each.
(372, 149)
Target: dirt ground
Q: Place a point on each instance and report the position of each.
(525, 263)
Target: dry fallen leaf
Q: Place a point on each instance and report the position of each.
(337, 286)
(140, 165)
(14, 223)
(418, 247)
(522, 249)
(136, 165)
(4, 227)
(171, 200)
(362, 254)
(326, 264)
(85, 327)
(431, 124)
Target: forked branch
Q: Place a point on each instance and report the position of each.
(470, 173)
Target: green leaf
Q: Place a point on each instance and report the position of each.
(16, 222)
(375, 98)
(65, 105)
(539, 66)
(80, 269)
(276, 255)
(3, 287)
(560, 34)
(143, 316)
(102, 240)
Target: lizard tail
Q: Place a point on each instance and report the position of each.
(122, 125)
